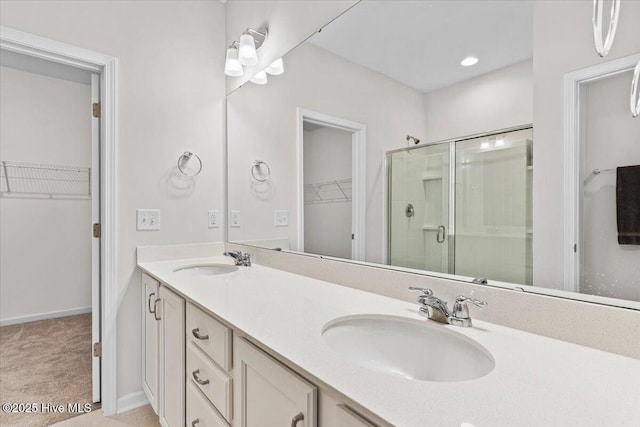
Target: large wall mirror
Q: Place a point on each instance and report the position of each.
(470, 139)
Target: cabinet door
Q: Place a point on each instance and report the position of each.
(150, 340)
(172, 380)
(346, 417)
(269, 394)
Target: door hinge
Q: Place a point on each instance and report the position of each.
(353, 236)
(96, 109)
(97, 349)
(97, 230)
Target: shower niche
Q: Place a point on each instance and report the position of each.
(472, 207)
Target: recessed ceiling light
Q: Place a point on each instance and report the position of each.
(468, 61)
(499, 142)
(484, 145)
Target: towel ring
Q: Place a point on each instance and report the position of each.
(255, 171)
(603, 47)
(635, 95)
(186, 156)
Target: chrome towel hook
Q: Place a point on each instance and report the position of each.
(256, 171)
(184, 158)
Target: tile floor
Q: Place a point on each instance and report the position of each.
(139, 417)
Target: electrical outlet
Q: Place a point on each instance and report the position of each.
(213, 219)
(234, 219)
(281, 218)
(148, 219)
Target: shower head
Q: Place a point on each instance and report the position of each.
(415, 140)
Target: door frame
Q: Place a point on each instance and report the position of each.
(573, 153)
(358, 174)
(107, 67)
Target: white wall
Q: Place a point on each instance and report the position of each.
(612, 140)
(562, 42)
(496, 100)
(171, 97)
(45, 250)
(290, 22)
(327, 226)
(317, 80)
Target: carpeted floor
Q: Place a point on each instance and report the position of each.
(48, 361)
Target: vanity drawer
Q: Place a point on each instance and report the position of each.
(209, 335)
(214, 383)
(199, 410)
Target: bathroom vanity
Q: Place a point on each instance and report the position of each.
(248, 346)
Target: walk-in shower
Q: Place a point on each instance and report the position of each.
(463, 206)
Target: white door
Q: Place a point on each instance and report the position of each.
(172, 379)
(150, 325)
(95, 242)
(268, 394)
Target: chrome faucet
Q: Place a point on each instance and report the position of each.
(239, 258)
(436, 309)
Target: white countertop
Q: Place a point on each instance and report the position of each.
(537, 381)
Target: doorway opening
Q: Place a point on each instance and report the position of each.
(50, 248)
(331, 179)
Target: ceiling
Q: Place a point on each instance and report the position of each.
(421, 43)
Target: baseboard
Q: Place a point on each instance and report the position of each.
(43, 316)
(131, 401)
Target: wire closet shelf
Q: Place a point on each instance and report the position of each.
(335, 191)
(43, 180)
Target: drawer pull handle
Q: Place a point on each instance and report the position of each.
(196, 377)
(155, 309)
(296, 419)
(151, 310)
(194, 422)
(196, 333)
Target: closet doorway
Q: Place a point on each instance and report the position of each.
(50, 245)
(331, 175)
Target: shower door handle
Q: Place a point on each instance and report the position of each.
(441, 231)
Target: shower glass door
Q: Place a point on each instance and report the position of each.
(493, 207)
(419, 208)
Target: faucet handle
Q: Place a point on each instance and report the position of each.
(426, 292)
(460, 299)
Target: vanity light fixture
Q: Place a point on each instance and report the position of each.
(247, 53)
(276, 68)
(233, 67)
(469, 61)
(260, 78)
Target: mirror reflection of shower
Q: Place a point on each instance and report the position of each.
(471, 206)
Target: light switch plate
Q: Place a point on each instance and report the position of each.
(213, 219)
(281, 218)
(234, 219)
(148, 219)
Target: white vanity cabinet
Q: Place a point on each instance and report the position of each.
(164, 345)
(150, 288)
(208, 369)
(269, 394)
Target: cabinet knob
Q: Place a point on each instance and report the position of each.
(296, 419)
(196, 333)
(196, 376)
(155, 309)
(151, 310)
(194, 422)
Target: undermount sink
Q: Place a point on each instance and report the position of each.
(412, 349)
(206, 269)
